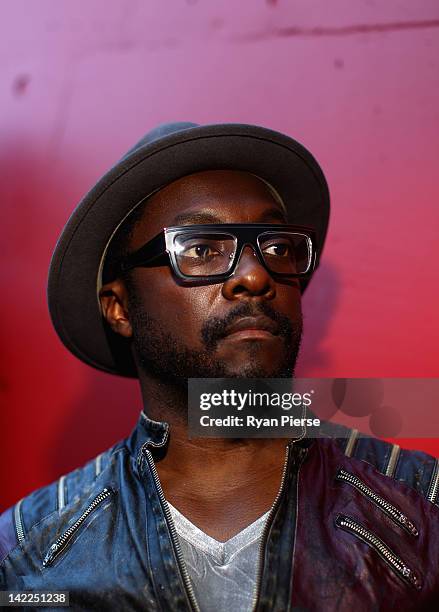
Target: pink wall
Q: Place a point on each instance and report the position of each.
(356, 82)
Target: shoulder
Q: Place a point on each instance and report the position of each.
(18, 520)
(416, 469)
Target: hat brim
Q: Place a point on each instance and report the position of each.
(74, 269)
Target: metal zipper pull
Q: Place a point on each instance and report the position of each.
(63, 540)
(400, 568)
(398, 517)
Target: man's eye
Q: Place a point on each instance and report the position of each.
(200, 251)
(280, 249)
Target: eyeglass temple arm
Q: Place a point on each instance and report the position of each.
(147, 254)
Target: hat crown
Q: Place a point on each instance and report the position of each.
(162, 130)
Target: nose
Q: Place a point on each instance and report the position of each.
(250, 278)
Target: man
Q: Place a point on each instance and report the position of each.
(186, 260)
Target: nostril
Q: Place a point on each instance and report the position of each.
(238, 289)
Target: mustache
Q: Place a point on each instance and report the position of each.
(214, 329)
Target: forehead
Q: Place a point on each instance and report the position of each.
(214, 196)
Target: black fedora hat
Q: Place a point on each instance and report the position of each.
(165, 154)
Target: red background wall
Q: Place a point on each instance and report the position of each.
(356, 82)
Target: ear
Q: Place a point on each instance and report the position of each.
(114, 303)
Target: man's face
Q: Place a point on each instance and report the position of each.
(182, 331)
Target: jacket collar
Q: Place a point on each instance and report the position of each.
(147, 434)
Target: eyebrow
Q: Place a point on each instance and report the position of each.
(194, 218)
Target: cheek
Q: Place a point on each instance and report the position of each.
(181, 310)
(288, 300)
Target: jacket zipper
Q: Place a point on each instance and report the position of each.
(264, 535)
(18, 522)
(400, 568)
(173, 533)
(398, 517)
(62, 542)
(434, 485)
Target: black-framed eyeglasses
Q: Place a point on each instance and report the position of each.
(210, 253)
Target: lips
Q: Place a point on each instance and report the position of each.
(259, 323)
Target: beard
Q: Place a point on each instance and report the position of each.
(165, 356)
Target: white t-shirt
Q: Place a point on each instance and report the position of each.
(223, 574)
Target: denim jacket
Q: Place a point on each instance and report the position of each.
(354, 527)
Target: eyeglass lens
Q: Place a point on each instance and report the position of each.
(206, 254)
